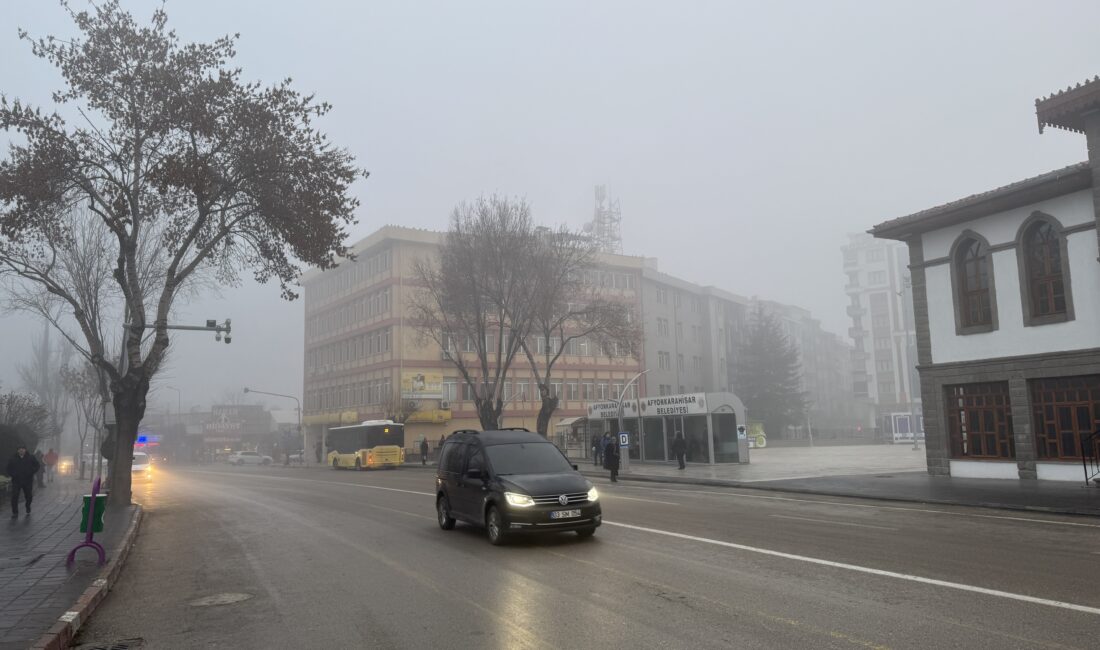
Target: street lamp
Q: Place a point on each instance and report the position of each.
(299, 409)
(625, 461)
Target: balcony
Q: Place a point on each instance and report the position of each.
(856, 311)
(856, 332)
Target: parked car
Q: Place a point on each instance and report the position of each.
(142, 468)
(248, 458)
(510, 482)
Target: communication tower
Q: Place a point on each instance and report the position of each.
(606, 225)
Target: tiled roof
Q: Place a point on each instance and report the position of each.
(1065, 109)
(1054, 183)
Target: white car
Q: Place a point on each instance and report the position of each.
(248, 458)
(142, 468)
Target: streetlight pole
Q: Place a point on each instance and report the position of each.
(624, 461)
(299, 409)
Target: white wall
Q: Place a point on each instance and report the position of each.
(1012, 338)
(984, 469)
(1068, 471)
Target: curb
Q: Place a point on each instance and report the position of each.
(63, 632)
(641, 478)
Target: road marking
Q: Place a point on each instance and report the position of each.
(864, 505)
(605, 495)
(827, 521)
(862, 569)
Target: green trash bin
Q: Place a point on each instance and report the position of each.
(100, 506)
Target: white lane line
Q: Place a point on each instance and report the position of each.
(605, 495)
(835, 523)
(313, 480)
(862, 569)
(864, 505)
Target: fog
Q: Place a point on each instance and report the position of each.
(743, 140)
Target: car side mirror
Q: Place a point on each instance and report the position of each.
(475, 473)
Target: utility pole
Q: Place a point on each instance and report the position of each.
(299, 409)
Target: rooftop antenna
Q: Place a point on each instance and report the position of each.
(606, 225)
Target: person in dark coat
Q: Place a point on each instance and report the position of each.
(424, 451)
(22, 468)
(597, 450)
(679, 448)
(611, 460)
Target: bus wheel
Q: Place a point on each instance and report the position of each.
(335, 463)
(358, 465)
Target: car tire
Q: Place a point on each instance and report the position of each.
(335, 463)
(494, 526)
(585, 533)
(443, 513)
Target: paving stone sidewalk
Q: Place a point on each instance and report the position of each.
(36, 587)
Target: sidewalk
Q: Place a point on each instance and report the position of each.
(36, 588)
(911, 486)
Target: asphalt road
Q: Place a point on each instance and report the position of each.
(331, 559)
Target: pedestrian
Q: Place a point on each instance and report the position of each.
(442, 439)
(51, 464)
(41, 469)
(597, 450)
(423, 450)
(611, 459)
(679, 448)
(22, 468)
(317, 451)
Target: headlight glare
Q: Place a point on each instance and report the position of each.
(519, 500)
(593, 494)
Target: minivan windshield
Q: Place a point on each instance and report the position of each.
(527, 458)
(141, 458)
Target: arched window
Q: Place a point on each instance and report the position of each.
(973, 285)
(1042, 246)
(972, 262)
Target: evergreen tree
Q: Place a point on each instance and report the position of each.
(768, 375)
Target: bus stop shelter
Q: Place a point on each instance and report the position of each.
(710, 423)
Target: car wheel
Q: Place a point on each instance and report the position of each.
(494, 526)
(585, 533)
(266, 462)
(358, 464)
(443, 512)
(335, 463)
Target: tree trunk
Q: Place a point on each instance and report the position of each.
(129, 403)
(489, 414)
(546, 411)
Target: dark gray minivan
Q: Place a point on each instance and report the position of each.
(512, 481)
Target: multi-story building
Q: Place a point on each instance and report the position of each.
(364, 359)
(1005, 286)
(884, 358)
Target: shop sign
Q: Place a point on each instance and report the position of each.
(687, 404)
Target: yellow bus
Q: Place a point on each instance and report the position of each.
(370, 444)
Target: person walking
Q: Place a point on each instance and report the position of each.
(423, 450)
(41, 469)
(22, 468)
(597, 450)
(679, 448)
(611, 459)
(51, 464)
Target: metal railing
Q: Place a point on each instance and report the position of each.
(1090, 457)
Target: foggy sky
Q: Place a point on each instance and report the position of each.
(743, 139)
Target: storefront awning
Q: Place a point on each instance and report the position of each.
(568, 422)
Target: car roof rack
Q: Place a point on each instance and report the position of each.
(465, 431)
(514, 429)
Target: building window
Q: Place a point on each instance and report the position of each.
(1044, 272)
(664, 361)
(680, 365)
(876, 255)
(972, 285)
(879, 302)
(979, 420)
(662, 327)
(1065, 410)
(876, 277)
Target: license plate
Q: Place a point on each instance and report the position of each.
(565, 514)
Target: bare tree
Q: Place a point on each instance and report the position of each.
(570, 307)
(85, 386)
(176, 150)
(479, 296)
(42, 378)
(400, 409)
(23, 421)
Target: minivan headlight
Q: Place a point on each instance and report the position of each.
(519, 500)
(593, 494)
